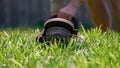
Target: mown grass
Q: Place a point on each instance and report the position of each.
(18, 49)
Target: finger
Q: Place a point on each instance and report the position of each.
(64, 15)
(60, 15)
(70, 17)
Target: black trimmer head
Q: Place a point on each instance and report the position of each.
(57, 28)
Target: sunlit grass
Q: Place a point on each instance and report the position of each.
(18, 49)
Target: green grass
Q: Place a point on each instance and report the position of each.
(18, 49)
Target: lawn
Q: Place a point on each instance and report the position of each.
(18, 49)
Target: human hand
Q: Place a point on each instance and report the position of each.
(67, 12)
